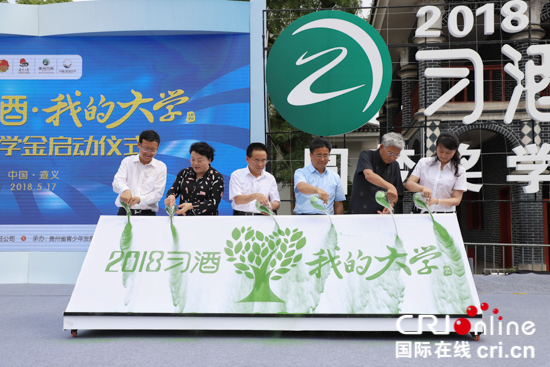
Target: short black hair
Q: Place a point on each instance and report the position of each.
(319, 142)
(255, 146)
(149, 135)
(203, 148)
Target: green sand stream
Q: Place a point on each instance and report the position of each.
(128, 262)
(178, 280)
(451, 293)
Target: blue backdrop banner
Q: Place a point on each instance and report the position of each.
(73, 107)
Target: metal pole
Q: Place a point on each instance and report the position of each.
(475, 258)
(484, 258)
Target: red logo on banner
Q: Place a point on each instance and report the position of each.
(4, 66)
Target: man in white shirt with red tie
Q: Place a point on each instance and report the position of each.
(253, 184)
(141, 178)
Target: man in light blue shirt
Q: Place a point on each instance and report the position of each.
(316, 179)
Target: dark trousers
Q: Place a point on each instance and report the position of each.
(122, 211)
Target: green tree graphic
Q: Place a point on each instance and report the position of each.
(264, 258)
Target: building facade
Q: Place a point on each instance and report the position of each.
(459, 34)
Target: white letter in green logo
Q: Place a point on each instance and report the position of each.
(329, 73)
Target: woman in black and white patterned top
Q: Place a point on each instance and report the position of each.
(200, 187)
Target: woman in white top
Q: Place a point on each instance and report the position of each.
(441, 179)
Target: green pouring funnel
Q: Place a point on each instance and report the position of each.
(382, 199)
(127, 208)
(420, 201)
(318, 204)
(264, 209)
(171, 211)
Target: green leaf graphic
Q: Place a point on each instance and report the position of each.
(256, 248)
(296, 236)
(242, 266)
(253, 255)
(286, 262)
(236, 234)
(283, 248)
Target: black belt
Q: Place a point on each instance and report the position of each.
(415, 210)
(238, 212)
(122, 211)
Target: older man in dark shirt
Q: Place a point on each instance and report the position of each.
(377, 170)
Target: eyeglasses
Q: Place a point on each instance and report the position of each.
(321, 156)
(391, 154)
(257, 161)
(151, 151)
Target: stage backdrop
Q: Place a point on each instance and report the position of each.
(73, 107)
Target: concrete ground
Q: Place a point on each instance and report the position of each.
(31, 335)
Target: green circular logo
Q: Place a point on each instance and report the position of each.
(328, 73)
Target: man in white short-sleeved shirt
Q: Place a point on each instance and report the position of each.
(140, 179)
(253, 184)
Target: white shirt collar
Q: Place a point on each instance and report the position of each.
(262, 174)
(136, 160)
(447, 166)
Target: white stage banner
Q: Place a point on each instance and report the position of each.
(347, 264)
